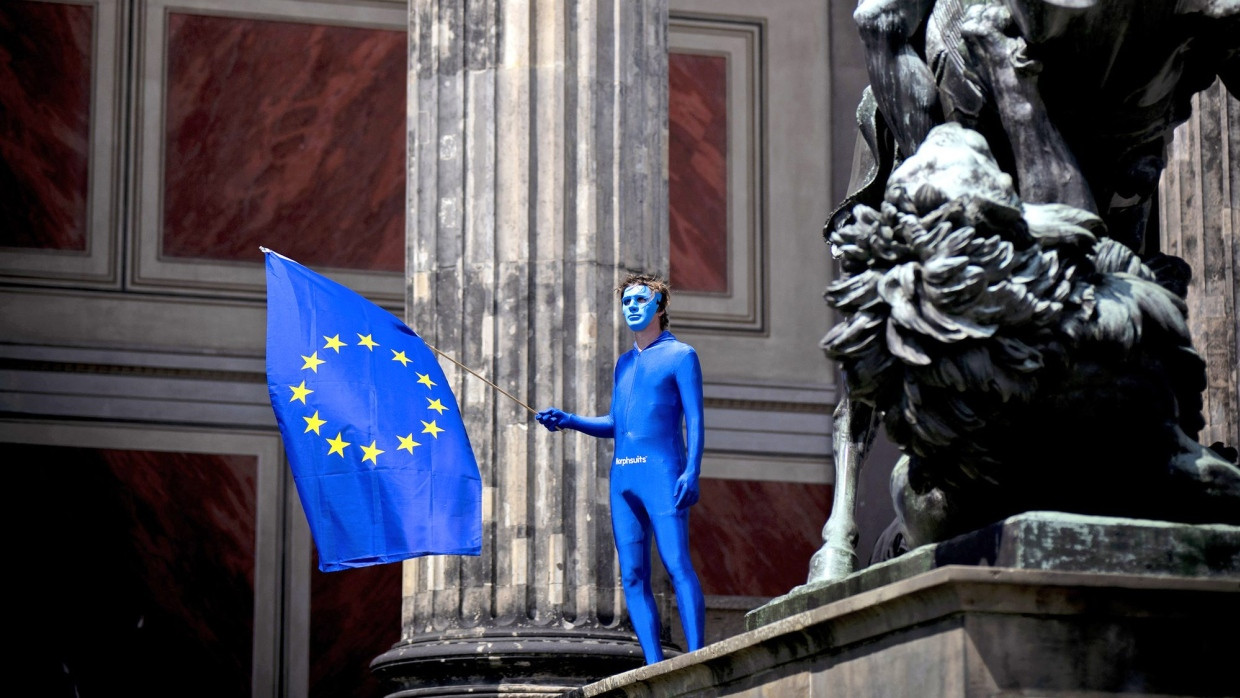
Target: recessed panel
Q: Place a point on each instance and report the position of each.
(698, 172)
(717, 248)
(286, 135)
(182, 522)
(60, 68)
(270, 123)
(752, 538)
(137, 571)
(45, 127)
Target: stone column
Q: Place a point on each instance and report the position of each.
(1199, 205)
(536, 179)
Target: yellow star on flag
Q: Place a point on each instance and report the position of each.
(400, 356)
(431, 429)
(300, 392)
(426, 380)
(313, 423)
(435, 405)
(366, 341)
(407, 443)
(312, 362)
(371, 453)
(338, 445)
(333, 342)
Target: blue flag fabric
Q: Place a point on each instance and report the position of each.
(373, 434)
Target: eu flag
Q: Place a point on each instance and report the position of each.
(371, 428)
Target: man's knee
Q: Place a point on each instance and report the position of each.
(676, 558)
(679, 569)
(634, 567)
(634, 575)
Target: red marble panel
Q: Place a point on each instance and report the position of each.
(45, 85)
(755, 538)
(354, 617)
(137, 571)
(698, 172)
(285, 135)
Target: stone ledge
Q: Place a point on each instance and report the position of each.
(1041, 540)
(969, 630)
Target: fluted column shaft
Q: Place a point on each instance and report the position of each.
(536, 180)
(1199, 218)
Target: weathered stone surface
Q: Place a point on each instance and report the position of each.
(1041, 541)
(1039, 603)
(974, 631)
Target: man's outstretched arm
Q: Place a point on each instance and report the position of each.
(555, 419)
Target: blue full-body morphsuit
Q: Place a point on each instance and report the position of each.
(654, 473)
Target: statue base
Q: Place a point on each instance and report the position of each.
(1041, 603)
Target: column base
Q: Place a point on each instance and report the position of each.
(511, 662)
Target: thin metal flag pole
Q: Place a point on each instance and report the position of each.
(484, 380)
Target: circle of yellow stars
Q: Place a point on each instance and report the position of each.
(337, 445)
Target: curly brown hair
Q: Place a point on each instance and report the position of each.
(657, 284)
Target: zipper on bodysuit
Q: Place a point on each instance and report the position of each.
(628, 400)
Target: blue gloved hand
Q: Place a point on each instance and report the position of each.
(687, 491)
(554, 418)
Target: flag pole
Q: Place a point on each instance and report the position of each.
(484, 380)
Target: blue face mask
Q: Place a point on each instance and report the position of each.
(640, 305)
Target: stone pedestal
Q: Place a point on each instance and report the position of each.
(1047, 605)
(537, 180)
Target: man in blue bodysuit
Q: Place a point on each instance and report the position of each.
(654, 477)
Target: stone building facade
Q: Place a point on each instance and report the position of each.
(486, 170)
